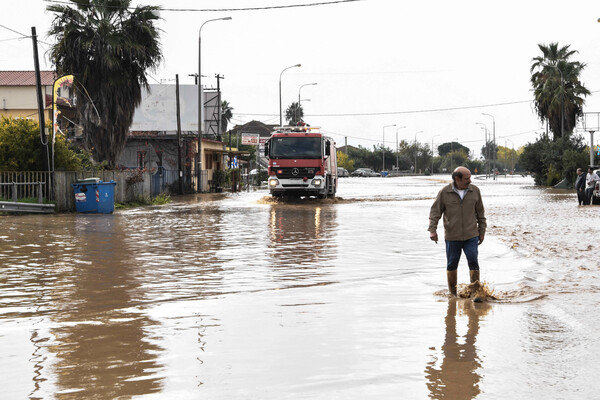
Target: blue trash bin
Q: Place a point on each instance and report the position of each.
(94, 196)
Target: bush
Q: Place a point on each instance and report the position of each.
(549, 161)
(21, 148)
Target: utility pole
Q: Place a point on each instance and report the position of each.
(178, 135)
(40, 101)
(592, 148)
(219, 77)
(494, 153)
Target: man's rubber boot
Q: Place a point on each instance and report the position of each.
(452, 279)
(474, 278)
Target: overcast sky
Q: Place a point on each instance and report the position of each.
(432, 66)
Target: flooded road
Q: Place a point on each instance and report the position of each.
(240, 297)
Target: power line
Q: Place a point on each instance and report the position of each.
(8, 40)
(22, 34)
(402, 112)
(408, 111)
(421, 111)
(13, 31)
(324, 3)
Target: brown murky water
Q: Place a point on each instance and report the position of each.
(241, 297)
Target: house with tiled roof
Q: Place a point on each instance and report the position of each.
(263, 130)
(18, 94)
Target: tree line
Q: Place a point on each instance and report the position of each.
(450, 155)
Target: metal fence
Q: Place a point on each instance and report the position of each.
(15, 186)
(56, 187)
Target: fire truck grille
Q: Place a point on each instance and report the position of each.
(291, 173)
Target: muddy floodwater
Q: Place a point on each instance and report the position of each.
(241, 297)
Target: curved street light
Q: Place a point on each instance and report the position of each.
(200, 150)
(487, 148)
(299, 89)
(280, 112)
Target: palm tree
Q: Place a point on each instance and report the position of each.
(294, 114)
(108, 47)
(226, 114)
(558, 92)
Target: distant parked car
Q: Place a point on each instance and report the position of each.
(343, 172)
(365, 172)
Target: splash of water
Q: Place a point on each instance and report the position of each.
(478, 291)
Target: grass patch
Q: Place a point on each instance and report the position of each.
(145, 200)
(30, 200)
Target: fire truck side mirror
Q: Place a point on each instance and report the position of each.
(328, 148)
(267, 148)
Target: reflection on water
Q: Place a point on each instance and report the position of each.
(100, 343)
(301, 244)
(457, 374)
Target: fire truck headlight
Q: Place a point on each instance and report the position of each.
(273, 182)
(316, 182)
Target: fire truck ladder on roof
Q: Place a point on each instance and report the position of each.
(297, 129)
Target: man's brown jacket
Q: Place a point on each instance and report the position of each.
(463, 219)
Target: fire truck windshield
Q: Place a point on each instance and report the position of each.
(295, 147)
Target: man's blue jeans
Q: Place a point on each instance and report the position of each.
(454, 248)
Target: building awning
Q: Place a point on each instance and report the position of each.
(232, 152)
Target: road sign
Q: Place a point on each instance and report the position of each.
(251, 139)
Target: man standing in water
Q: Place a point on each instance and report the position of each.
(580, 186)
(464, 224)
(590, 182)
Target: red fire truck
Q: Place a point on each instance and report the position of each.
(302, 162)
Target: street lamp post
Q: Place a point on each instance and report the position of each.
(397, 149)
(434, 136)
(383, 148)
(200, 105)
(280, 112)
(487, 149)
(301, 86)
(416, 150)
(494, 150)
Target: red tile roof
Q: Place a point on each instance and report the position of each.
(26, 78)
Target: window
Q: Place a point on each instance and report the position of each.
(141, 157)
(295, 147)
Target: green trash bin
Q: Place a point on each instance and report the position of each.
(94, 196)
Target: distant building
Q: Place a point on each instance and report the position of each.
(18, 99)
(263, 130)
(18, 94)
(152, 141)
